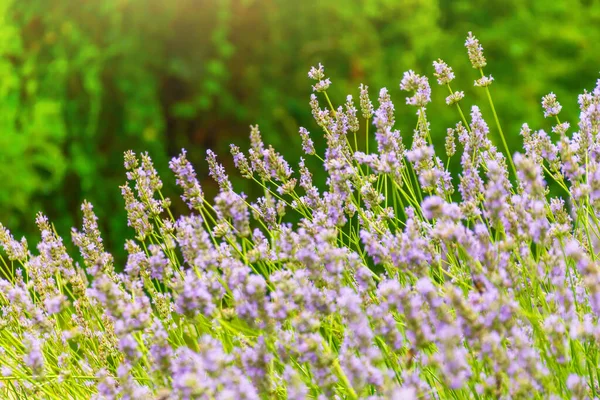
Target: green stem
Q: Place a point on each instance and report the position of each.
(508, 154)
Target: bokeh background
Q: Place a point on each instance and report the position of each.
(81, 81)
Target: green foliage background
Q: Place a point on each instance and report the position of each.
(83, 81)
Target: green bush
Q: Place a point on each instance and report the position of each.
(84, 81)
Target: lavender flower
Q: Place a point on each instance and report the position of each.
(418, 84)
(455, 97)
(14, 249)
(137, 216)
(186, 178)
(551, 106)
(475, 51)
(318, 74)
(432, 207)
(217, 171)
(34, 358)
(233, 206)
(443, 72)
(240, 162)
(484, 81)
(147, 183)
(353, 124)
(307, 143)
(197, 296)
(158, 264)
(450, 143)
(366, 106)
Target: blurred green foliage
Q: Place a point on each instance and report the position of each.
(83, 81)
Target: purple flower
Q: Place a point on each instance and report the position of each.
(418, 84)
(366, 106)
(432, 207)
(198, 296)
(230, 205)
(158, 264)
(307, 143)
(14, 249)
(34, 358)
(551, 106)
(217, 171)
(475, 52)
(318, 74)
(443, 72)
(210, 372)
(186, 178)
(484, 81)
(240, 162)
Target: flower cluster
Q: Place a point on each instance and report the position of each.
(396, 279)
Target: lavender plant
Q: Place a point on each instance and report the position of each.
(399, 280)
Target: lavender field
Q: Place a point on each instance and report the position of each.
(398, 279)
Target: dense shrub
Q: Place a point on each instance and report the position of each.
(374, 285)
